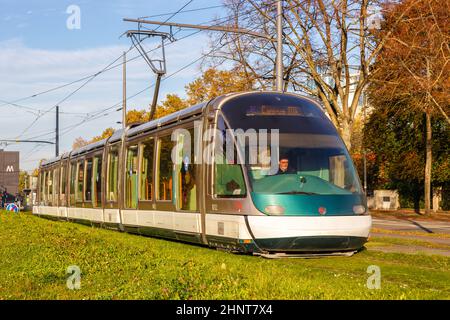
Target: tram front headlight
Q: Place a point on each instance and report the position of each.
(359, 209)
(274, 210)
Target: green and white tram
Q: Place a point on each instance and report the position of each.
(175, 178)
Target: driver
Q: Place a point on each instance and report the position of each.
(283, 165)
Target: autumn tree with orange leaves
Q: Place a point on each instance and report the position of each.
(412, 71)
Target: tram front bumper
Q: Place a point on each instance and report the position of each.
(310, 234)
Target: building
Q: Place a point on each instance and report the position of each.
(9, 171)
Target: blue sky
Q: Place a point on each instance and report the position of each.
(38, 52)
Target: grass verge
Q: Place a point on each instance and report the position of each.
(35, 254)
(412, 233)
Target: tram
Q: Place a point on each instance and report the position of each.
(172, 178)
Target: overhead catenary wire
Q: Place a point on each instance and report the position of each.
(172, 14)
(183, 11)
(86, 77)
(218, 21)
(175, 13)
(100, 113)
(150, 86)
(97, 115)
(225, 19)
(40, 114)
(91, 114)
(68, 96)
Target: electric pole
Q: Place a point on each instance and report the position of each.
(124, 91)
(364, 147)
(57, 132)
(279, 67)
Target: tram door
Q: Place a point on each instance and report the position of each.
(186, 171)
(131, 178)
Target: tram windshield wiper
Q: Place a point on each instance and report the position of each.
(296, 192)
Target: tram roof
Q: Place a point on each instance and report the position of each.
(89, 147)
(50, 161)
(170, 118)
(173, 117)
(116, 136)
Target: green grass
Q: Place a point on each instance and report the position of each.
(412, 233)
(389, 240)
(36, 252)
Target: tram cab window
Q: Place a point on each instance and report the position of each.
(165, 168)
(72, 183)
(80, 180)
(186, 171)
(306, 155)
(131, 181)
(113, 171)
(88, 181)
(97, 181)
(228, 177)
(146, 174)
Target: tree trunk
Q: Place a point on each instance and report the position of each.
(428, 164)
(346, 133)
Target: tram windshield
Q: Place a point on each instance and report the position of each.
(296, 150)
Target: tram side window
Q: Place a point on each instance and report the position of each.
(228, 177)
(97, 181)
(72, 184)
(42, 188)
(55, 187)
(80, 179)
(187, 174)
(88, 181)
(146, 174)
(50, 187)
(62, 185)
(165, 167)
(113, 171)
(131, 177)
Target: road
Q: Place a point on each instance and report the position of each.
(435, 233)
(429, 227)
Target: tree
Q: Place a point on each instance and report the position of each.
(211, 84)
(172, 103)
(329, 46)
(108, 132)
(396, 153)
(412, 71)
(23, 180)
(214, 83)
(137, 116)
(79, 142)
(36, 171)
